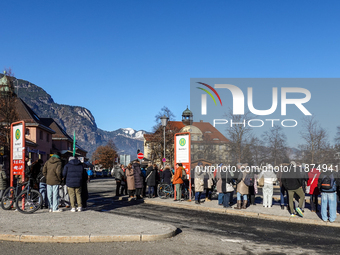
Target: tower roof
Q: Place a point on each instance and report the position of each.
(187, 113)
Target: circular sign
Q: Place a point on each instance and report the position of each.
(140, 155)
(17, 134)
(182, 142)
(164, 159)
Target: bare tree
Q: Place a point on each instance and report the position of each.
(164, 111)
(275, 141)
(239, 135)
(258, 151)
(337, 138)
(316, 148)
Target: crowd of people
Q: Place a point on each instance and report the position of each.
(66, 185)
(293, 185)
(61, 185)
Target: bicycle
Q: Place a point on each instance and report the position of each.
(165, 191)
(28, 200)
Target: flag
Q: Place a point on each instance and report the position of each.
(74, 143)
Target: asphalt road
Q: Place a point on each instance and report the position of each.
(198, 232)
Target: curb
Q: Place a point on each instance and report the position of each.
(247, 214)
(170, 232)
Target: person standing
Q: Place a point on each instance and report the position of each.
(41, 179)
(199, 185)
(119, 175)
(314, 192)
(123, 190)
(292, 181)
(130, 180)
(74, 174)
(3, 181)
(166, 174)
(52, 172)
(268, 188)
(138, 179)
(327, 184)
(178, 181)
(151, 179)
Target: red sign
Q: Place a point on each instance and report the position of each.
(140, 155)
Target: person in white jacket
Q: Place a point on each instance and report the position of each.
(267, 190)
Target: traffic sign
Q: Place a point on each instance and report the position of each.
(140, 155)
(164, 159)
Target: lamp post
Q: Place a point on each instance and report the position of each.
(164, 120)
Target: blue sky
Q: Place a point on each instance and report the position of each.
(125, 60)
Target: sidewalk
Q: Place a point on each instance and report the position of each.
(79, 227)
(274, 213)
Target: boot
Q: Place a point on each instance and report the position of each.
(238, 206)
(244, 206)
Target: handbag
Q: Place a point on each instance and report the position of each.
(261, 181)
(308, 187)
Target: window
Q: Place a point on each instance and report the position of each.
(41, 135)
(221, 147)
(47, 137)
(27, 132)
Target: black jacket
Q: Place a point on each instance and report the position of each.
(137, 172)
(151, 172)
(292, 179)
(166, 175)
(74, 173)
(321, 178)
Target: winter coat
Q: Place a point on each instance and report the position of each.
(269, 176)
(226, 182)
(52, 171)
(74, 173)
(208, 180)
(3, 178)
(314, 190)
(138, 176)
(151, 176)
(166, 175)
(178, 176)
(130, 179)
(118, 173)
(199, 181)
(291, 180)
(242, 188)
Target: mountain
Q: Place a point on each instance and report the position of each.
(80, 119)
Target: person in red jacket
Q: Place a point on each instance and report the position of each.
(313, 178)
(178, 181)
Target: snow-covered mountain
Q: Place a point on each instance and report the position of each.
(130, 133)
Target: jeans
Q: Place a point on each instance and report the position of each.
(43, 192)
(283, 191)
(220, 198)
(53, 195)
(75, 193)
(151, 191)
(198, 196)
(328, 199)
(226, 199)
(239, 196)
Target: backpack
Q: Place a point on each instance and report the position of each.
(249, 180)
(184, 175)
(328, 183)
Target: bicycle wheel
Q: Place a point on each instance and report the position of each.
(29, 201)
(8, 198)
(160, 191)
(167, 190)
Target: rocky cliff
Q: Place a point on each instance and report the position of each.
(80, 119)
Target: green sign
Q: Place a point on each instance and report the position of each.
(182, 142)
(17, 134)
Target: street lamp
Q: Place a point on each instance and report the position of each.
(164, 121)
